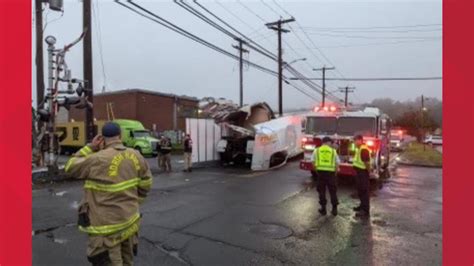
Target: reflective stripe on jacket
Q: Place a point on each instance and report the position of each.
(326, 159)
(357, 160)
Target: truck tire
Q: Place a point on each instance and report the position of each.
(139, 150)
(384, 173)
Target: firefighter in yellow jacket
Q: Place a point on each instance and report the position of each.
(117, 180)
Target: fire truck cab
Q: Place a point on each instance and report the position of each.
(342, 125)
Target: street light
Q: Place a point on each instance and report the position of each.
(285, 64)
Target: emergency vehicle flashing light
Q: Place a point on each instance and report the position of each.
(325, 108)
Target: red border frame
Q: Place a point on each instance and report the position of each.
(15, 133)
(458, 120)
(15, 155)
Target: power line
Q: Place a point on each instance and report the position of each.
(310, 40)
(250, 10)
(379, 43)
(308, 83)
(203, 17)
(301, 40)
(377, 79)
(377, 37)
(51, 21)
(99, 38)
(271, 8)
(272, 56)
(371, 31)
(262, 50)
(377, 27)
(187, 34)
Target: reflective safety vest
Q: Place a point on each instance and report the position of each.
(326, 160)
(357, 160)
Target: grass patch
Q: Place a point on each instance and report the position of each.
(415, 154)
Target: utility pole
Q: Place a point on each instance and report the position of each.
(88, 75)
(324, 68)
(346, 91)
(276, 26)
(241, 63)
(423, 121)
(39, 54)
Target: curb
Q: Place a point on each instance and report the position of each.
(418, 165)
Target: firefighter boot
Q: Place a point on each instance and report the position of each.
(334, 210)
(322, 210)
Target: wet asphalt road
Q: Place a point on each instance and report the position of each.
(235, 217)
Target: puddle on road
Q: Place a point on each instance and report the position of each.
(74, 205)
(273, 231)
(60, 241)
(60, 194)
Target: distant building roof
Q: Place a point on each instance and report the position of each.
(124, 91)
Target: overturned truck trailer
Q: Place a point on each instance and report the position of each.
(253, 134)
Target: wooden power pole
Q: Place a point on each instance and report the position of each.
(241, 69)
(88, 73)
(346, 91)
(276, 26)
(324, 68)
(39, 53)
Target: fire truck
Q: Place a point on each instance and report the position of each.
(342, 125)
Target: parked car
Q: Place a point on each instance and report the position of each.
(434, 140)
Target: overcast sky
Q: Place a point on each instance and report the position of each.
(361, 39)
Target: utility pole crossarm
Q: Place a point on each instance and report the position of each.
(280, 22)
(324, 68)
(238, 48)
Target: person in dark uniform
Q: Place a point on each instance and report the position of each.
(188, 153)
(361, 163)
(326, 161)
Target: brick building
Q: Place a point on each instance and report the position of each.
(157, 111)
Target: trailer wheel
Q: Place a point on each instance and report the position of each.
(278, 158)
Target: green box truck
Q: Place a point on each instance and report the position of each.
(72, 136)
(134, 135)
